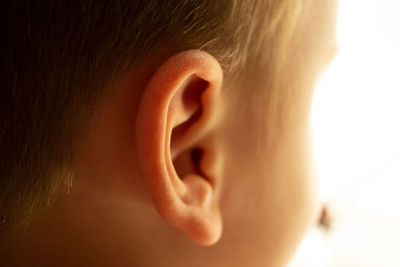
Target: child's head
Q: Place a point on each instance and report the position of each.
(158, 133)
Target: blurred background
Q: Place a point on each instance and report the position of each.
(356, 124)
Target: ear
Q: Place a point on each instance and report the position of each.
(174, 134)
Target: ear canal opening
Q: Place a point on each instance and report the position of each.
(196, 156)
(189, 162)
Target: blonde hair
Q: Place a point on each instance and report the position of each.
(57, 57)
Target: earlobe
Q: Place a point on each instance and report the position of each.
(174, 129)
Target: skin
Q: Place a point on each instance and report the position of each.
(131, 200)
(142, 195)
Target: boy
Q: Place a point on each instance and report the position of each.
(158, 133)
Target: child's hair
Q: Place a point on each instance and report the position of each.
(57, 57)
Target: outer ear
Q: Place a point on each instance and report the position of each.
(174, 128)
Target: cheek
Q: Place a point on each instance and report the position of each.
(269, 193)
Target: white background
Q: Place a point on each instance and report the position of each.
(356, 124)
